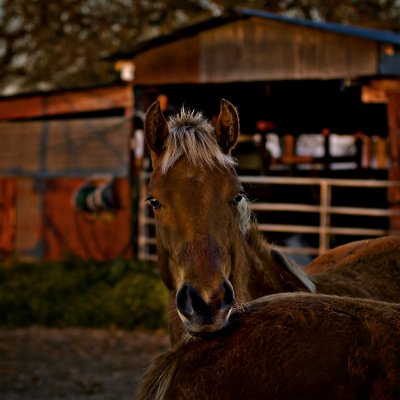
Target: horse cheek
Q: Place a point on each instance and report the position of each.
(164, 265)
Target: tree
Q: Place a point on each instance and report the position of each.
(381, 14)
(48, 44)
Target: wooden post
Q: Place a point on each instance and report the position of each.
(367, 152)
(325, 220)
(393, 111)
(381, 153)
(391, 88)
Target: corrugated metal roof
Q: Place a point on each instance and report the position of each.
(65, 148)
(351, 30)
(237, 13)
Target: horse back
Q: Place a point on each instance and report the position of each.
(288, 346)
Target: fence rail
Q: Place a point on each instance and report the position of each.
(325, 209)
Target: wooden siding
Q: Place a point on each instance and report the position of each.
(267, 50)
(8, 197)
(85, 100)
(176, 62)
(257, 49)
(65, 147)
(97, 237)
(29, 221)
(38, 219)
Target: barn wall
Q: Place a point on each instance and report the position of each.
(176, 62)
(8, 197)
(67, 102)
(257, 49)
(42, 164)
(38, 219)
(29, 218)
(65, 147)
(66, 230)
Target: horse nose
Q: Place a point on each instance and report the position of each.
(205, 309)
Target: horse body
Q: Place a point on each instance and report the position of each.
(210, 255)
(286, 346)
(366, 268)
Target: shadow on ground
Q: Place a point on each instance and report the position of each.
(74, 363)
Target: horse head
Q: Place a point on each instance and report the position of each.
(198, 203)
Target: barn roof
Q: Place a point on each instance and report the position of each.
(238, 13)
(345, 29)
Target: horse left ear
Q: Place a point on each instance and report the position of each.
(155, 128)
(227, 127)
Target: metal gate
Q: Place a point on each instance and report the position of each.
(324, 208)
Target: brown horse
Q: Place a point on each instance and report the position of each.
(210, 253)
(288, 346)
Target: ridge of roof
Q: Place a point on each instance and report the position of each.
(346, 29)
(181, 33)
(237, 13)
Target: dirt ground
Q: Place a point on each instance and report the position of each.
(74, 363)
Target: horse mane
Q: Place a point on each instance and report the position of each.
(266, 250)
(154, 384)
(190, 134)
(294, 269)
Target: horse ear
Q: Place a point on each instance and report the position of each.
(155, 128)
(227, 127)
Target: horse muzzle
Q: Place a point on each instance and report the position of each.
(207, 312)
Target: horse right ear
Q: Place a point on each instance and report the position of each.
(155, 128)
(227, 127)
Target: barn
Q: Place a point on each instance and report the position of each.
(297, 79)
(65, 185)
(302, 75)
(290, 78)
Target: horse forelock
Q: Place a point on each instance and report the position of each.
(191, 135)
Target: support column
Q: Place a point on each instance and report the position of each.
(393, 112)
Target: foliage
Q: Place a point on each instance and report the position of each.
(82, 293)
(47, 44)
(380, 14)
(53, 44)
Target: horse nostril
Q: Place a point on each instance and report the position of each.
(182, 301)
(192, 305)
(189, 301)
(229, 295)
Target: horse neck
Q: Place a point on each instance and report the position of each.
(259, 272)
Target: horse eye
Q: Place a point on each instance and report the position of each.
(237, 199)
(154, 202)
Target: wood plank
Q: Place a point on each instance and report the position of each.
(257, 49)
(79, 147)
(8, 216)
(29, 242)
(68, 102)
(102, 236)
(387, 85)
(393, 111)
(372, 95)
(176, 62)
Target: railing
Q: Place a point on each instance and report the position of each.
(146, 223)
(325, 209)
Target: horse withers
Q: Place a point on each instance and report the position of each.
(288, 346)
